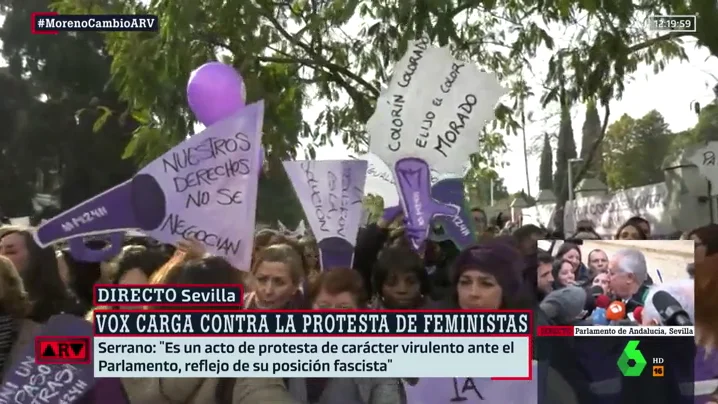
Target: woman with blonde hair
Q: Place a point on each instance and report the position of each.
(212, 270)
(278, 275)
(15, 329)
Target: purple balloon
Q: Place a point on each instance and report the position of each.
(214, 92)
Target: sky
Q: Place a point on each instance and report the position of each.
(670, 92)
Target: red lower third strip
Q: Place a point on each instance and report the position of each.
(555, 331)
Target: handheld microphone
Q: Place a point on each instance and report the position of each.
(596, 291)
(638, 314)
(616, 311)
(672, 313)
(598, 317)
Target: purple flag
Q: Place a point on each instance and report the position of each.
(458, 228)
(413, 177)
(468, 390)
(205, 188)
(331, 193)
(26, 382)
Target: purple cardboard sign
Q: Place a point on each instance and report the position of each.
(331, 193)
(83, 253)
(458, 228)
(413, 177)
(26, 382)
(468, 390)
(205, 188)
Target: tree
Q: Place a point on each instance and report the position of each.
(591, 136)
(479, 185)
(565, 151)
(634, 150)
(546, 168)
(67, 77)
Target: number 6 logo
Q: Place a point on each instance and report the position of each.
(631, 352)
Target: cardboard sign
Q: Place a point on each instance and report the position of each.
(26, 382)
(429, 117)
(205, 188)
(458, 228)
(83, 253)
(331, 193)
(468, 390)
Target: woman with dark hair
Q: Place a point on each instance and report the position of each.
(563, 274)
(632, 229)
(489, 276)
(399, 279)
(572, 253)
(38, 268)
(706, 241)
(81, 277)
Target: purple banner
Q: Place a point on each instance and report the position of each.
(26, 382)
(205, 188)
(413, 177)
(468, 390)
(331, 193)
(458, 228)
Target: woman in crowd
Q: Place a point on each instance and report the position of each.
(343, 289)
(706, 241)
(632, 229)
(15, 305)
(38, 267)
(489, 276)
(207, 271)
(399, 279)
(572, 253)
(563, 274)
(80, 277)
(277, 275)
(602, 279)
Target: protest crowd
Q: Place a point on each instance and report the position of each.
(498, 273)
(393, 263)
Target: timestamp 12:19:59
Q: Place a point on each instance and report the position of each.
(673, 23)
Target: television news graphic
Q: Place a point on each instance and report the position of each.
(168, 295)
(33, 379)
(612, 331)
(62, 350)
(672, 313)
(616, 311)
(53, 23)
(363, 343)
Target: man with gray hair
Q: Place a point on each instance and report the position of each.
(628, 275)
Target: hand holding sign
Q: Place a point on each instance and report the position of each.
(431, 115)
(205, 188)
(460, 227)
(331, 195)
(26, 382)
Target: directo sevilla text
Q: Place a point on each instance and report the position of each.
(173, 323)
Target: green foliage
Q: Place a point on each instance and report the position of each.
(546, 168)
(634, 150)
(565, 151)
(374, 204)
(71, 126)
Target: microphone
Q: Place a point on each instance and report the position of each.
(564, 305)
(596, 291)
(672, 313)
(603, 301)
(616, 311)
(638, 314)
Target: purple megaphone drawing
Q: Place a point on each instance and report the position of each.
(82, 252)
(135, 204)
(458, 228)
(414, 180)
(27, 382)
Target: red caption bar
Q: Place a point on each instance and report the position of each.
(555, 331)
